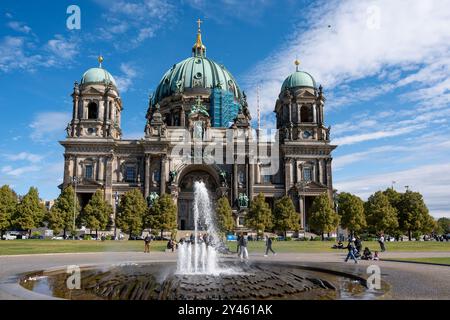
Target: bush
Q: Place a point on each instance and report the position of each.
(36, 234)
(109, 237)
(288, 238)
(316, 238)
(87, 237)
(330, 239)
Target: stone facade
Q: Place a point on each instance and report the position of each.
(181, 146)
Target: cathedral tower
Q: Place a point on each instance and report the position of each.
(96, 106)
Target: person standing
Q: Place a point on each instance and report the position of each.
(238, 243)
(358, 244)
(381, 242)
(351, 252)
(147, 241)
(269, 246)
(243, 248)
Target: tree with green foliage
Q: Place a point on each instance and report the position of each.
(61, 215)
(163, 214)
(131, 211)
(224, 214)
(394, 197)
(351, 211)
(259, 216)
(97, 212)
(323, 218)
(285, 216)
(443, 225)
(413, 215)
(8, 203)
(29, 212)
(380, 214)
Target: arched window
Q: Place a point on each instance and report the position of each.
(306, 114)
(92, 110)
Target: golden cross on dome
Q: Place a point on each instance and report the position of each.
(100, 60)
(199, 22)
(297, 63)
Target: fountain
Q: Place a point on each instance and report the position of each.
(200, 257)
(199, 274)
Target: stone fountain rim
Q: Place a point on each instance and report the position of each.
(386, 287)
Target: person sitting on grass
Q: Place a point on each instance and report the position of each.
(375, 256)
(340, 245)
(367, 255)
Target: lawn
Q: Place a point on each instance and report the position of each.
(14, 247)
(440, 260)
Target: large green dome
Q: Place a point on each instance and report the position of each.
(96, 76)
(298, 79)
(197, 72)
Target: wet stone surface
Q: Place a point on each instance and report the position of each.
(159, 281)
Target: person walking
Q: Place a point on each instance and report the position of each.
(381, 242)
(147, 241)
(358, 245)
(351, 252)
(238, 244)
(243, 248)
(269, 246)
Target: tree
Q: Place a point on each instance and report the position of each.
(351, 211)
(413, 215)
(8, 203)
(61, 215)
(380, 214)
(224, 214)
(443, 225)
(97, 212)
(163, 214)
(394, 197)
(131, 211)
(285, 216)
(29, 212)
(323, 217)
(259, 216)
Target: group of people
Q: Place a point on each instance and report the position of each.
(354, 248)
(242, 243)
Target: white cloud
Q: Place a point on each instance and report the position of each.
(46, 125)
(16, 172)
(62, 48)
(431, 180)
(13, 55)
(351, 139)
(134, 22)
(19, 27)
(411, 36)
(125, 80)
(31, 157)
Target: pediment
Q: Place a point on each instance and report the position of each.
(92, 91)
(305, 94)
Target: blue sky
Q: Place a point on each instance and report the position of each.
(384, 66)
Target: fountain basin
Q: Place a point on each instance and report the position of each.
(160, 281)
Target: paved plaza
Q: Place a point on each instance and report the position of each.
(406, 280)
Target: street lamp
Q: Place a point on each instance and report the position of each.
(75, 182)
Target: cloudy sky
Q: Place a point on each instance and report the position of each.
(384, 66)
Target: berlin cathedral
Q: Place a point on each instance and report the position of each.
(198, 127)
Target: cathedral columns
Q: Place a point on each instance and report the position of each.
(302, 211)
(147, 176)
(163, 174)
(287, 174)
(182, 117)
(235, 181)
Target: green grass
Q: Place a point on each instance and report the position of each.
(14, 247)
(440, 260)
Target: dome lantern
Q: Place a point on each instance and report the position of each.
(199, 50)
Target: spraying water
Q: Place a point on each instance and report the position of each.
(200, 256)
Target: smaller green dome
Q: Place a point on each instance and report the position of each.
(298, 79)
(97, 75)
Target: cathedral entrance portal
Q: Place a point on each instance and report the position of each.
(186, 196)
